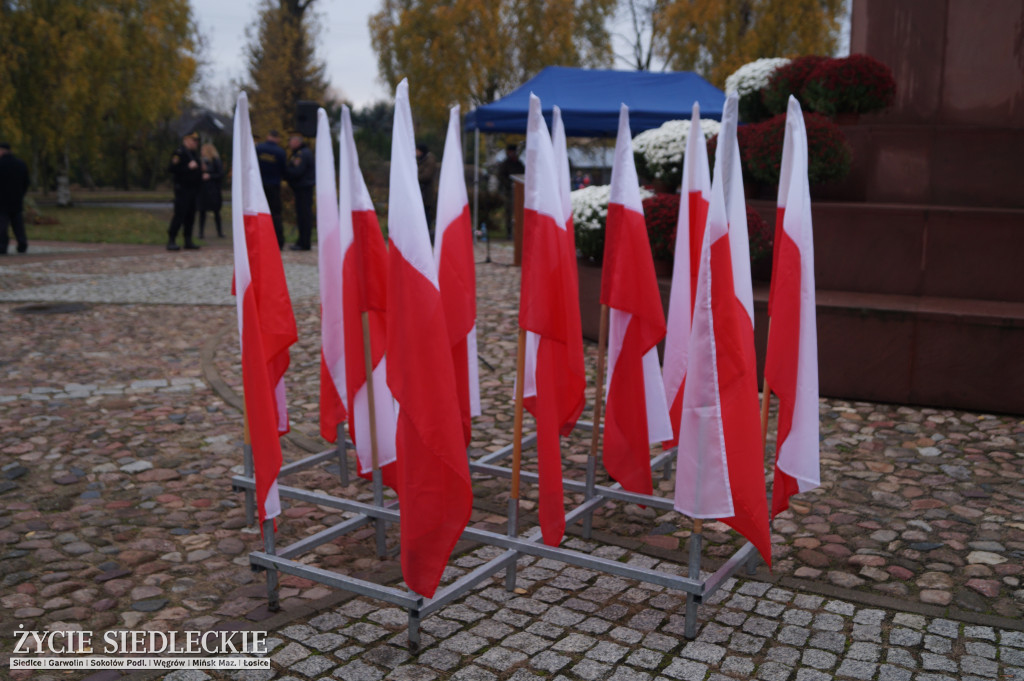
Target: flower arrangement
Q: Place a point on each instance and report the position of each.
(661, 213)
(760, 235)
(659, 151)
(828, 155)
(856, 84)
(748, 81)
(789, 80)
(589, 214)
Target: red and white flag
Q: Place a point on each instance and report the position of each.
(332, 329)
(636, 413)
(720, 464)
(433, 471)
(693, 215)
(549, 307)
(453, 252)
(266, 325)
(361, 258)
(791, 363)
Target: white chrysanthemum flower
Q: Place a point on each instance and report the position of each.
(590, 205)
(663, 148)
(753, 76)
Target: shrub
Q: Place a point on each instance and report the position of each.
(761, 236)
(659, 152)
(589, 214)
(856, 84)
(748, 81)
(828, 155)
(661, 213)
(789, 79)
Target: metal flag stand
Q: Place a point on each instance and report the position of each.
(273, 560)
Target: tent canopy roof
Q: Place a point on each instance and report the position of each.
(589, 100)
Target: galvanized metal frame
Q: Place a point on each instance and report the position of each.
(274, 560)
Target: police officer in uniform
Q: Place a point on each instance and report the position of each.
(271, 158)
(188, 179)
(301, 174)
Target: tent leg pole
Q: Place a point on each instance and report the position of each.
(273, 598)
(476, 182)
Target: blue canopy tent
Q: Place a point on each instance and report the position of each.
(589, 100)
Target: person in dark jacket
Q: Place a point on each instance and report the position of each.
(13, 187)
(210, 198)
(188, 179)
(272, 168)
(426, 173)
(301, 174)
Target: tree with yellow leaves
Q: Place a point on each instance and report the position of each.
(283, 68)
(77, 74)
(715, 37)
(471, 52)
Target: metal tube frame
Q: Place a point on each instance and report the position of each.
(275, 560)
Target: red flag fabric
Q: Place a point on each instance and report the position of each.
(693, 214)
(720, 465)
(636, 413)
(332, 330)
(433, 470)
(363, 257)
(791, 363)
(263, 329)
(453, 252)
(549, 308)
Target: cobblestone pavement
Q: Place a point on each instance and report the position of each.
(115, 512)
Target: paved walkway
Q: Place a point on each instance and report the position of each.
(117, 435)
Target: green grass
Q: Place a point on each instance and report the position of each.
(112, 225)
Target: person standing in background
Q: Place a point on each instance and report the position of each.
(301, 174)
(188, 179)
(210, 198)
(510, 166)
(13, 187)
(426, 169)
(272, 166)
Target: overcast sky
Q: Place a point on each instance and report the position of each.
(344, 45)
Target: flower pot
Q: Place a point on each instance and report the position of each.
(846, 118)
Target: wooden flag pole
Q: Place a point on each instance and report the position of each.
(595, 434)
(517, 453)
(378, 483)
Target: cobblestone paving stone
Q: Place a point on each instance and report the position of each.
(115, 512)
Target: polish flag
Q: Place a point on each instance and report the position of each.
(720, 465)
(332, 328)
(453, 252)
(266, 326)
(362, 255)
(791, 363)
(636, 413)
(554, 379)
(433, 471)
(693, 214)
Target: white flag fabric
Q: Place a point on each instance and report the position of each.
(791, 362)
(363, 255)
(695, 195)
(456, 271)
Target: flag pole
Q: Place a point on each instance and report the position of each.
(250, 471)
(378, 483)
(517, 453)
(766, 400)
(595, 434)
(342, 455)
(693, 572)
